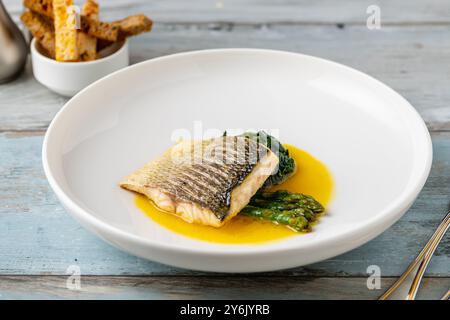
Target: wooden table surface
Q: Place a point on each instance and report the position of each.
(410, 53)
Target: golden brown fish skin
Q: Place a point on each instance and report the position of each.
(201, 176)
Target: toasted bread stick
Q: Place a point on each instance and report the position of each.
(65, 20)
(87, 44)
(44, 7)
(42, 30)
(133, 25)
(91, 9)
(100, 30)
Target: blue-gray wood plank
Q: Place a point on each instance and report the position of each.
(39, 237)
(188, 287)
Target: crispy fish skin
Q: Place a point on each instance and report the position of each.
(206, 182)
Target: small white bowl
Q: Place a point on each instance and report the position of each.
(68, 78)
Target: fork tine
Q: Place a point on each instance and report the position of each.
(412, 276)
(428, 255)
(446, 296)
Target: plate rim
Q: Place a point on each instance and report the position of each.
(364, 231)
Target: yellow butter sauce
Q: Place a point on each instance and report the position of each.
(312, 177)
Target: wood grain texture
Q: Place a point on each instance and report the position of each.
(271, 11)
(412, 60)
(39, 237)
(180, 287)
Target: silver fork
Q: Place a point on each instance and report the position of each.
(446, 296)
(406, 287)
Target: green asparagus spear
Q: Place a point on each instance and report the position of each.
(301, 200)
(298, 223)
(294, 210)
(273, 204)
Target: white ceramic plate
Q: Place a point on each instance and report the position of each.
(374, 143)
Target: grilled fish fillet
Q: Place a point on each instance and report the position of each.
(206, 182)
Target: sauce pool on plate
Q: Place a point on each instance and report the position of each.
(312, 177)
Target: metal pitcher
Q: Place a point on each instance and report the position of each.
(13, 47)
